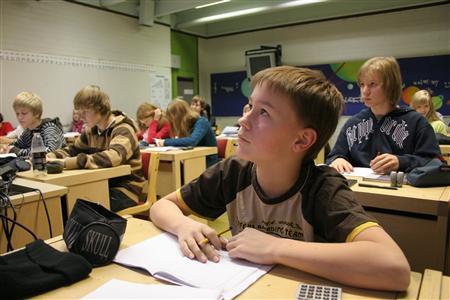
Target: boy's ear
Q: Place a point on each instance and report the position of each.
(305, 139)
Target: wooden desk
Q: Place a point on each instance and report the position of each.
(89, 184)
(178, 167)
(434, 285)
(280, 283)
(31, 213)
(416, 218)
(445, 150)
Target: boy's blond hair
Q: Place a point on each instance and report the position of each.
(181, 118)
(424, 97)
(29, 100)
(389, 71)
(91, 97)
(317, 102)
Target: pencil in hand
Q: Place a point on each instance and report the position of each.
(206, 240)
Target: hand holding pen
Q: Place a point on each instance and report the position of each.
(384, 163)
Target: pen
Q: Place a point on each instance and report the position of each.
(377, 186)
(206, 240)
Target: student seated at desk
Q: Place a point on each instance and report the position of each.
(384, 137)
(152, 118)
(422, 103)
(28, 108)
(189, 129)
(283, 209)
(108, 140)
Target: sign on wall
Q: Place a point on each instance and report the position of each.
(229, 91)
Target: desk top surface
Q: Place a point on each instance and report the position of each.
(280, 282)
(48, 190)
(183, 154)
(428, 200)
(77, 176)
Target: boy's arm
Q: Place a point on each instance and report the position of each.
(170, 214)
(372, 260)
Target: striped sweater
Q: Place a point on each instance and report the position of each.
(51, 131)
(116, 145)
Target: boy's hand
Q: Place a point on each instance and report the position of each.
(384, 163)
(253, 245)
(341, 165)
(191, 237)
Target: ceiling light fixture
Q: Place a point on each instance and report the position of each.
(231, 14)
(298, 3)
(210, 4)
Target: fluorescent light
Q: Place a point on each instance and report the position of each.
(231, 14)
(298, 3)
(210, 4)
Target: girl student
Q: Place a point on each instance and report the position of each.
(151, 117)
(188, 128)
(422, 103)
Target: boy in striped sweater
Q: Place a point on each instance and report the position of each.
(109, 140)
(28, 108)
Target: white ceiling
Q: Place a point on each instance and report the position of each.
(183, 16)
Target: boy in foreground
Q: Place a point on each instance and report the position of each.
(282, 208)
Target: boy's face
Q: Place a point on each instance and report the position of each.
(90, 116)
(372, 91)
(269, 129)
(26, 118)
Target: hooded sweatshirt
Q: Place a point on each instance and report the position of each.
(402, 132)
(52, 134)
(114, 146)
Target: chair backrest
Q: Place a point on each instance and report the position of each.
(231, 147)
(150, 166)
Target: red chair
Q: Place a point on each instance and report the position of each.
(150, 167)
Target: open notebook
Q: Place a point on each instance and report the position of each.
(162, 258)
(119, 289)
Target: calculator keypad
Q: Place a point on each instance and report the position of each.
(318, 292)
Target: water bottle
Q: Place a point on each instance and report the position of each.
(38, 154)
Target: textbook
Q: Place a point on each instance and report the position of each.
(120, 289)
(162, 258)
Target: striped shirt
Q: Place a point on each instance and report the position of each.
(114, 146)
(52, 134)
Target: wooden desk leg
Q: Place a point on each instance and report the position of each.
(193, 168)
(97, 192)
(33, 216)
(176, 174)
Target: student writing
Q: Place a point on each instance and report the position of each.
(403, 137)
(28, 108)
(108, 140)
(189, 128)
(152, 118)
(283, 209)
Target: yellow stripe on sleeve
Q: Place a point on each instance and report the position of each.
(358, 230)
(182, 204)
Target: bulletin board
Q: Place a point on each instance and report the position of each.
(229, 91)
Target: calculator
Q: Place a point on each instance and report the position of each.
(318, 292)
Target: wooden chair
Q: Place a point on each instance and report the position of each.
(150, 166)
(231, 147)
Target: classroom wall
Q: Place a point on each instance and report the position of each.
(54, 48)
(186, 47)
(418, 32)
